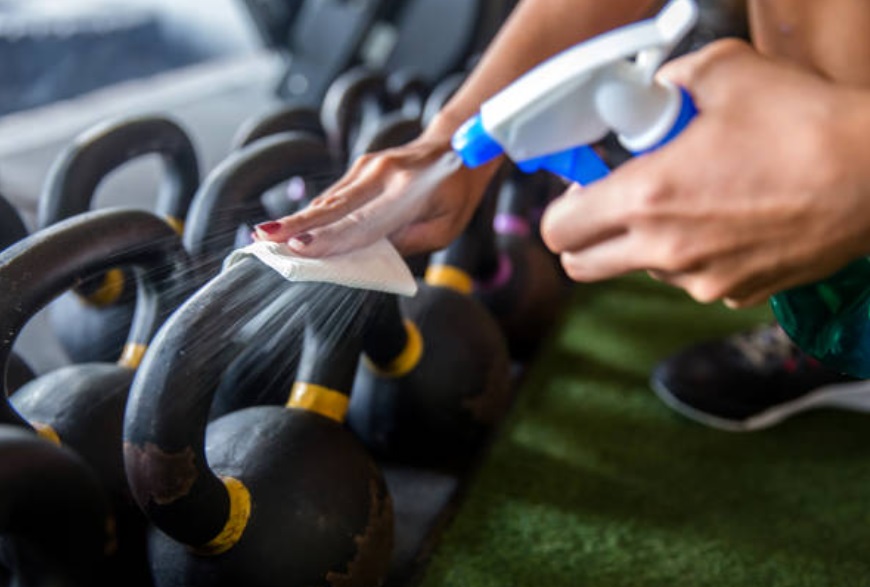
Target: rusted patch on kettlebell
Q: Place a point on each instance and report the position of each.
(160, 477)
(369, 567)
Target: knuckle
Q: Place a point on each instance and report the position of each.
(362, 162)
(707, 290)
(727, 48)
(650, 193)
(702, 65)
(677, 255)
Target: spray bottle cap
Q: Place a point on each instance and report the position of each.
(474, 144)
(556, 106)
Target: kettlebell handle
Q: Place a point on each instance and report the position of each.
(165, 421)
(77, 173)
(230, 195)
(12, 228)
(39, 268)
(281, 119)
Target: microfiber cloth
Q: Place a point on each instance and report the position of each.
(377, 267)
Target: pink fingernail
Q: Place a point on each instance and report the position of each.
(269, 227)
(301, 240)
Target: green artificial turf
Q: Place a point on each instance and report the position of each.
(593, 481)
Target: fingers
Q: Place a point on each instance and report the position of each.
(354, 190)
(582, 217)
(732, 279)
(607, 259)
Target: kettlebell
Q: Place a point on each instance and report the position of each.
(293, 195)
(81, 406)
(389, 130)
(12, 229)
(440, 95)
(267, 495)
(283, 118)
(91, 325)
(527, 291)
(229, 196)
(437, 374)
(54, 515)
(354, 101)
(406, 93)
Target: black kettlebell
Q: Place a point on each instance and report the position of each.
(437, 376)
(230, 196)
(284, 118)
(267, 495)
(389, 130)
(54, 516)
(293, 195)
(526, 292)
(440, 95)
(12, 229)
(354, 101)
(406, 93)
(92, 324)
(81, 406)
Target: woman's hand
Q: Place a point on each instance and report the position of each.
(768, 188)
(419, 195)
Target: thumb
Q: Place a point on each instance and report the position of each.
(704, 72)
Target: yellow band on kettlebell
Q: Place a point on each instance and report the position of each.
(47, 432)
(237, 520)
(321, 400)
(109, 291)
(177, 224)
(407, 359)
(132, 356)
(449, 277)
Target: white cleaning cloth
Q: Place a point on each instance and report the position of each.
(377, 267)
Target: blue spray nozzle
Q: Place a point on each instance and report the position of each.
(473, 144)
(580, 164)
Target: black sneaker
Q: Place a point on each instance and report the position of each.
(752, 380)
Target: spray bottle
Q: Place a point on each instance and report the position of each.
(548, 118)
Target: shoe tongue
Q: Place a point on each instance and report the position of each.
(377, 267)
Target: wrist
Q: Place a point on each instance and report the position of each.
(444, 124)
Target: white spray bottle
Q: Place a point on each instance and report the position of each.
(548, 118)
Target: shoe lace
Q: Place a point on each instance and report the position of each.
(766, 346)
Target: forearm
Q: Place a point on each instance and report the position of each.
(536, 30)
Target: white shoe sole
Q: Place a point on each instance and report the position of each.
(853, 396)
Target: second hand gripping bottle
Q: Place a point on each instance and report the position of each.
(548, 118)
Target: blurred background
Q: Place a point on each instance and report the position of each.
(209, 66)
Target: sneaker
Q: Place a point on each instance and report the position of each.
(752, 380)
